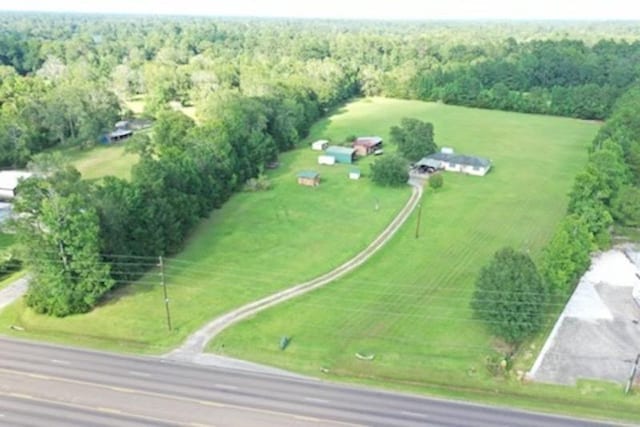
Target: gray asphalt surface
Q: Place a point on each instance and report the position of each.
(46, 385)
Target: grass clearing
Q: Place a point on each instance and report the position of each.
(409, 304)
(257, 243)
(102, 160)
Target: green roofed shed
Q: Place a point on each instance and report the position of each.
(310, 178)
(341, 154)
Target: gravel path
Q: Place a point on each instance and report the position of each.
(13, 291)
(192, 349)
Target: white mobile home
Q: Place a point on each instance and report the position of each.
(471, 165)
(9, 182)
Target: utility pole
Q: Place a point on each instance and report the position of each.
(632, 376)
(418, 222)
(164, 289)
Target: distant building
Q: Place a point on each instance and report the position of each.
(9, 181)
(320, 145)
(309, 178)
(446, 150)
(123, 124)
(326, 160)
(471, 165)
(366, 145)
(354, 173)
(341, 154)
(119, 135)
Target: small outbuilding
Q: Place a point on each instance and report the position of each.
(309, 178)
(326, 160)
(123, 124)
(365, 145)
(341, 154)
(354, 173)
(9, 181)
(446, 150)
(320, 145)
(119, 135)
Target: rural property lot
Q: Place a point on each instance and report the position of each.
(409, 305)
(598, 333)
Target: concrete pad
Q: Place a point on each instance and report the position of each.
(597, 336)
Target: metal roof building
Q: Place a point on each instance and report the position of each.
(341, 154)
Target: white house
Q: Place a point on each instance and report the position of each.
(326, 160)
(320, 145)
(471, 165)
(9, 182)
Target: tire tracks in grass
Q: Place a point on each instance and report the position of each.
(195, 344)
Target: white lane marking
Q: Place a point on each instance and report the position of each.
(60, 362)
(316, 400)
(414, 414)
(225, 386)
(139, 374)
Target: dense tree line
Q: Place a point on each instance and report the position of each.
(258, 86)
(606, 191)
(60, 74)
(77, 235)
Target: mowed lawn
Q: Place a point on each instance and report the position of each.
(256, 244)
(102, 160)
(409, 305)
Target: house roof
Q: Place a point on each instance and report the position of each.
(368, 141)
(9, 179)
(460, 159)
(429, 162)
(119, 132)
(334, 149)
(308, 174)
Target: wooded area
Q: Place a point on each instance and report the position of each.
(257, 86)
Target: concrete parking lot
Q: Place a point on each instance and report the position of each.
(598, 334)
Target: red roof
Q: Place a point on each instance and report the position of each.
(368, 141)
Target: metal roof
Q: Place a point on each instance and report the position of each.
(334, 149)
(308, 174)
(428, 162)
(368, 141)
(460, 159)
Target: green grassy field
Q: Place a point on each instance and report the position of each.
(102, 160)
(256, 244)
(409, 305)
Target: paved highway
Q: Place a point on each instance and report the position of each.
(46, 385)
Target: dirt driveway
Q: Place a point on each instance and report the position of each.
(598, 334)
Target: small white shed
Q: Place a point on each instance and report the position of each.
(446, 150)
(326, 160)
(354, 173)
(320, 145)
